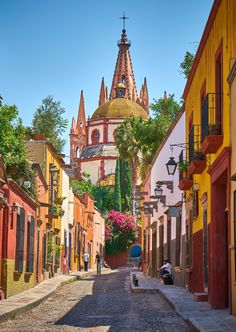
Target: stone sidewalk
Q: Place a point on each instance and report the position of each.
(198, 315)
(18, 304)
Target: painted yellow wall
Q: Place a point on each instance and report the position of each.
(51, 158)
(221, 30)
(15, 282)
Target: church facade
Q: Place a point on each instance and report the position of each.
(92, 141)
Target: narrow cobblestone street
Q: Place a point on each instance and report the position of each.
(99, 304)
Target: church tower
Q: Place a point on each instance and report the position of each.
(78, 132)
(93, 147)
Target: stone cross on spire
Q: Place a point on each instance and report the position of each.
(124, 18)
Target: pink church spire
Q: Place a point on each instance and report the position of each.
(123, 70)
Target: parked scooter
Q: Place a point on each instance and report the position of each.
(165, 272)
(167, 278)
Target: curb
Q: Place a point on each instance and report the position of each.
(12, 313)
(139, 290)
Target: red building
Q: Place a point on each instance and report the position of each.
(17, 237)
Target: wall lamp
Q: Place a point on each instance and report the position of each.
(14, 207)
(171, 165)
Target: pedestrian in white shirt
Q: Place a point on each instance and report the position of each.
(166, 268)
(86, 260)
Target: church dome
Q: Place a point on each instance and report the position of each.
(119, 108)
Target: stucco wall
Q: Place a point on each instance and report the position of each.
(111, 129)
(91, 167)
(109, 166)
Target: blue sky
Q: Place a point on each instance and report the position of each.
(58, 47)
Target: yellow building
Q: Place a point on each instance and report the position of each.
(44, 153)
(207, 107)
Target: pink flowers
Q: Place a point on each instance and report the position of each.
(120, 232)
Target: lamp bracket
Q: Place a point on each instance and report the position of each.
(169, 184)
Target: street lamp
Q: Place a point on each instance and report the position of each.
(158, 190)
(171, 166)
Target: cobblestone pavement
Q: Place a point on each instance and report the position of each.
(102, 303)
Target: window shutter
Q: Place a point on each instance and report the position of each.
(30, 246)
(20, 241)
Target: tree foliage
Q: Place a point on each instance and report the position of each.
(117, 191)
(125, 185)
(186, 65)
(165, 109)
(49, 120)
(12, 149)
(103, 196)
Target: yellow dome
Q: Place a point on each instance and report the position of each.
(119, 108)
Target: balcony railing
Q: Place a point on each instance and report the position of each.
(181, 160)
(211, 115)
(193, 142)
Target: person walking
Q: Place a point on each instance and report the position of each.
(86, 260)
(98, 260)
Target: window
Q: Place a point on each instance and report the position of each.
(30, 246)
(20, 232)
(95, 136)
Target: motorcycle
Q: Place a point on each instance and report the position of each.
(167, 278)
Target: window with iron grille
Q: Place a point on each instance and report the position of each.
(20, 232)
(30, 245)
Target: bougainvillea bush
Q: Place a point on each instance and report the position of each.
(120, 232)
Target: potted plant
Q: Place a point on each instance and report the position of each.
(198, 164)
(183, 166)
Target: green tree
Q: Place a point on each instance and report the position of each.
(127, 140)
(103, 196)
(125, 185)
(48, 119)
(186, 65)
(12, 136)
(117, 193)
(165, 109)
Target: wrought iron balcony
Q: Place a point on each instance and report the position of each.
(211, 127)
(197, 159)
